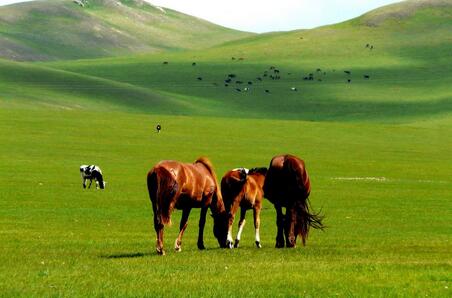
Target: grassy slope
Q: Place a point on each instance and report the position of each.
(385, 238)
(411, 58)
(49, 30)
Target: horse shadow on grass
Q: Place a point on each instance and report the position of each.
(126, 255)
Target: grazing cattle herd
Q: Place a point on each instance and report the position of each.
(184, 186)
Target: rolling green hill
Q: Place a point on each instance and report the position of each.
(408, 62)
(63, 29)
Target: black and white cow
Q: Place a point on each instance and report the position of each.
(92, 172)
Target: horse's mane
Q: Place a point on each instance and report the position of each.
(217, 200)
(206, 162)
(261, 170)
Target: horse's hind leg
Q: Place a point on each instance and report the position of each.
(257, 223)
(280, 225)
(182, 227)
(90, 182)
(202, 223)
(289, 229)
(242, 222)
(158, 226)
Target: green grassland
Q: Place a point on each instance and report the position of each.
(378, 152)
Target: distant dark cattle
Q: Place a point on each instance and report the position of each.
(238, 89)
(305, 78)
(366, 76)
(231, 75)
(233, 58)
(199, 78)
(239, 82)
(349, 81)
(165, 62)
(227, 80)
(347, 72)
(259, 79)
(276, 70)
(311, 74)
(293, 89)
(367, 45)
(250, 83)
(318, 70)
(193, 64)
(311, 78)
(267, 91)
(265, 75)
(371, 47)
(272, 67)
(226, 85)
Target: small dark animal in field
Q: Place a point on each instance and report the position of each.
(199, 78)
(267, 91)
(259, 78)
(92, 172)
(371, 47)
(226, 85)
(193, 64)
(276, 71)
(293, 89)
(241, 58)
(347, 72)
(165, 62)
(311, 74)
(265, 75)
(238, 90)
(272, 67)
(158, 128)
(172, 184)
(227, 80)
(242, 188)
(305, 78)
(287, 185)
(232, 58)
(367, 45)
(318, 70)
(250, 83)
(231, 75)
(366, 76)
(349, 81)
(239, 82)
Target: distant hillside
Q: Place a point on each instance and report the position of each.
(74, 29)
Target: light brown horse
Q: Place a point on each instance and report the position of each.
(243, 188)
(172, 184)
(287, 185)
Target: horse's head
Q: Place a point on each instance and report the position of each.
(220, 227)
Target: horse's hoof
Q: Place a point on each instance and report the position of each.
(279, 245)
(177, 246)
(160, 251)
(236, 244)
(201, 246)
(229, 244)
(258, 244)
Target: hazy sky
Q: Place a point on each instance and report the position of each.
(275, 15)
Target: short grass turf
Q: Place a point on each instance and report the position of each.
(388, 236)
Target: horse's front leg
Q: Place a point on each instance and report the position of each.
(90, 182)
(257, 223)
(241, 226)
(202, 223)
(84, 182)
(280, 226)
(182, 227)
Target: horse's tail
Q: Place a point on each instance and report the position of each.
(162, 187)
(217, 200)
(305, 218)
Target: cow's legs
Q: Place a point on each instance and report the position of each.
(182, 227)
(84, 183)
(202, 223)
(242, 222)
(280, 226)
(257, 223)
(90, 182)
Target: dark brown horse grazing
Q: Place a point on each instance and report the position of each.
(287, 185)
(172, 184)
(243, 188)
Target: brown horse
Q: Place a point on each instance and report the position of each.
(183, 186)
(243, 188)
(287, 185)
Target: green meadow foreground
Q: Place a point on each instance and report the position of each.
(388, 234)
(378, 152)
